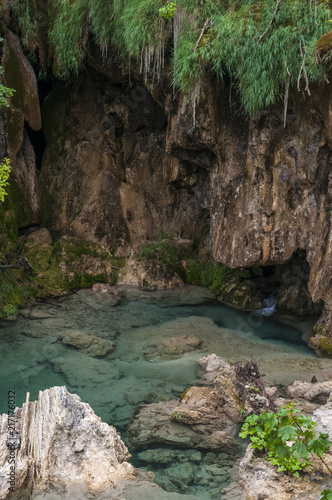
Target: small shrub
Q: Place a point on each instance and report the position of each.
(286, 437)
(168, 11)
(4, 175)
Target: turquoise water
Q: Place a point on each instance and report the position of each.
(33, 358)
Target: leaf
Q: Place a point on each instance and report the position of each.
(300, 450)
(319, 445)
(326, 495)
(287, 433)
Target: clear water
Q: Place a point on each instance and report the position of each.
(33, 358)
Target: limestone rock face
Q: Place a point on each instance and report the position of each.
(122, 162)
(61, 442)
(19, 74)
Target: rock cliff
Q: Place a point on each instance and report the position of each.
(123, 159)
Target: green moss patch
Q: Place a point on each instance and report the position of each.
(325, 345)
(58, 269)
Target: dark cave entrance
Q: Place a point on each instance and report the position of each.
(287, 283)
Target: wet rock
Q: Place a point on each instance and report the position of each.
(88, 344)
(317, 393)
(173, 348)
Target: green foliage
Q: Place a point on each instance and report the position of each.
(261, 48)
(326, 495)
(287, 437)
(168, 11)
(4, 175)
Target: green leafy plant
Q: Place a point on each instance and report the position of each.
(177, 416)
(168, 11)
(326, 495)
(4, 175)
(287, 438)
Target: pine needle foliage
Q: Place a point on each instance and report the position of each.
(265, 46)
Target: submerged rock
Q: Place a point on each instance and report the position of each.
(173, 348)
(88, 344)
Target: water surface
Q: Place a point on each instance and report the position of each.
(33, 358)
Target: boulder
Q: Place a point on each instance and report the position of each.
(105, 288)
(148, 275)
(40, 237)
(315, 392)
(59, 442)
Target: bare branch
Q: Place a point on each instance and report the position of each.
(271, 21)
(286, 100)
(202, 33)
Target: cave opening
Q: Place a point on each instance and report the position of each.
(287, 283)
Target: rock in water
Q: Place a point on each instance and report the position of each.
(61, 443)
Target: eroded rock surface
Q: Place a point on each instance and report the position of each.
(62, 442)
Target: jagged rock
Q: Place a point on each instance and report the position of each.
(88, 344)
(62, 442)
(317, 393)
(173, 348)
(63, 451)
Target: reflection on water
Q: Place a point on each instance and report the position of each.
(34, 358)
